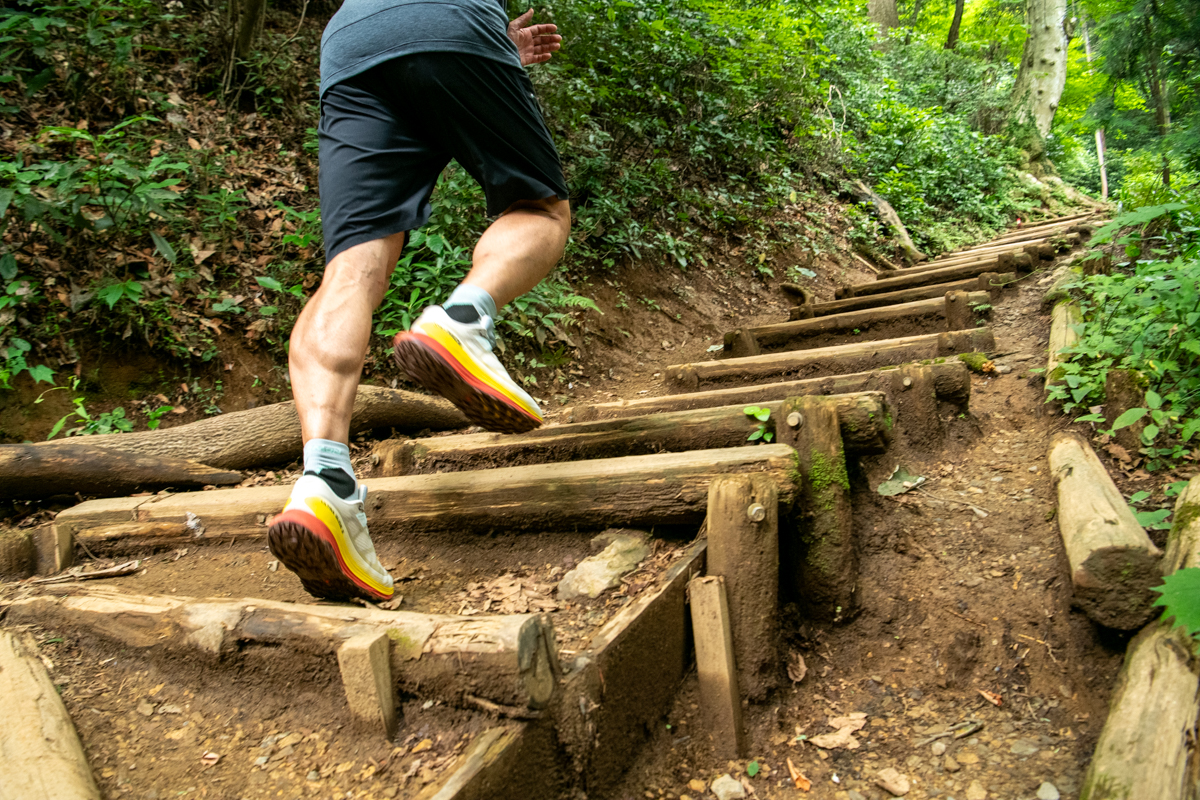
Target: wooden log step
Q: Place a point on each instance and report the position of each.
(39, 746)
(951, 381)
(987, 282)
(1041, 249)
(1113, 562)
(702, 429)
(1072, 221)
(508, 659)
(929, 277)
(841, 358)
(782, 334)
(271, 434)
(30, 471)
(1147, 746)
(669, 488)
(981, 254)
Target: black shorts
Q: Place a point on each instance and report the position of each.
(386, 135)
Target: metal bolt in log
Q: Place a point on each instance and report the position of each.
(756, 513)
(795, 419)
(907, 383)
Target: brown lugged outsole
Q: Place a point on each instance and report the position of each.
(428, 368)
(314, 562)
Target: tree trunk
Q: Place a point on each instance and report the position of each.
(271, 434)
(1043, 72)
(29, 471)
(883, 208)
(1087, 48)
(39, 747)
(883, 14)
(952, 36)
(508, 659)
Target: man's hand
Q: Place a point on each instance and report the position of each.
(535, 43)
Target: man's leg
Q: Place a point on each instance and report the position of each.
(520, 248)
(449, 349)
(331, 337)
(321, 535)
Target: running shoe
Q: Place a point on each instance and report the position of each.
(455, 359)
(324, 540)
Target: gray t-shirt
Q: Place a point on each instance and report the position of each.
(364, 33)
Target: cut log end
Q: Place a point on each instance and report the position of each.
(1113, 586)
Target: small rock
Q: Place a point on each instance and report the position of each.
(971, 583)
(1024, 747)
(726, 788)
(1033, 469)
(976, 791)
(939, 748)
(313, 776)
(685, 797)
(1003, 369)
(145, 709)
(950, 765)
(968, 758)
(261, 760)
(603, 571)
(1048, 791)
(892, 782)
(697, 785)
(853, 795)
(170, 709)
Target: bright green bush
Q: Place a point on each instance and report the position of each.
(1145, 317)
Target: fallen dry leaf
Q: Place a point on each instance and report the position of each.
(796, 668)
(802, 783)
(991, 697)
(843, 737)
(208, 759)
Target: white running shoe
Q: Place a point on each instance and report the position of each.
(324, 540)
(455, 359)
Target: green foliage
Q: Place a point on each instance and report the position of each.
(1144, 317)
(1179, 595)
(763, 415)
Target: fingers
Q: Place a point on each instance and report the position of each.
(543, 29)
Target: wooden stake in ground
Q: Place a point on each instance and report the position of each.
(365, 663)
(822, 563)
(39, 747)
(31, 471)
(1113, 562)
(1147, 746)
(271, 434)
(507, 659)
(743, 548)
(716, 670)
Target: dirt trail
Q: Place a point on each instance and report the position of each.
(962, 589)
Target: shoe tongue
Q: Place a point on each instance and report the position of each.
(338, 480)
(462, 313)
